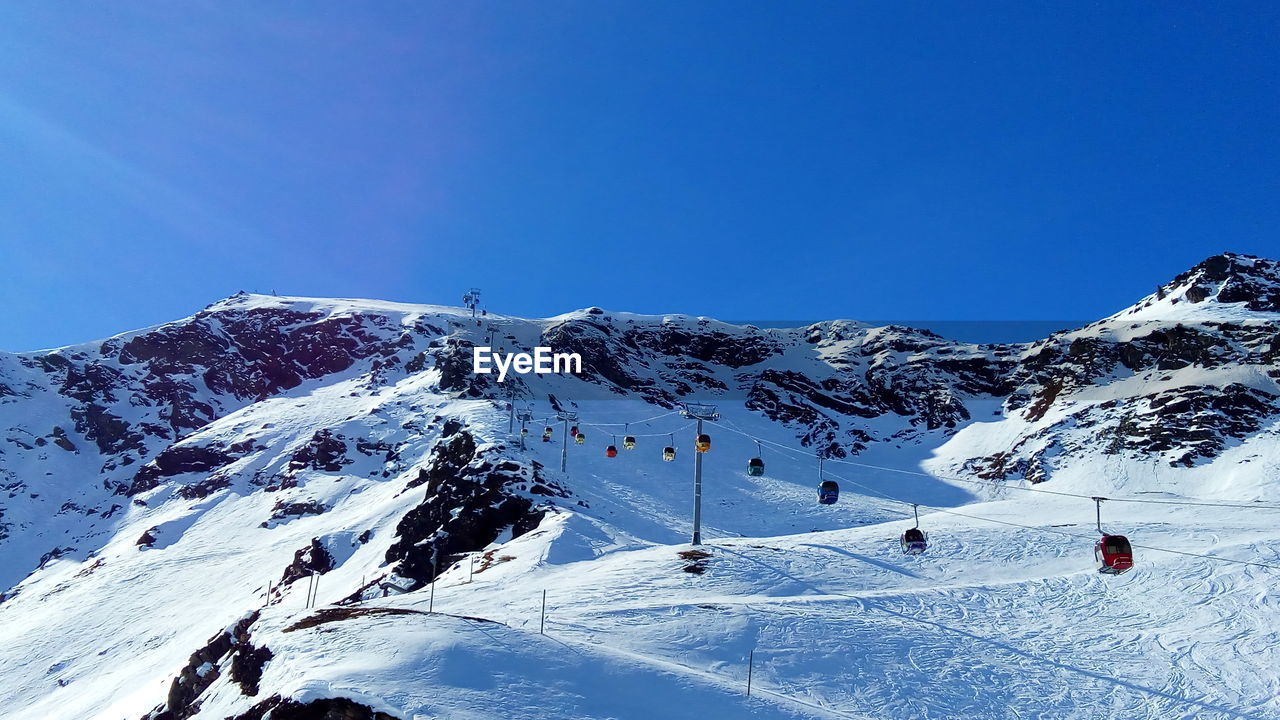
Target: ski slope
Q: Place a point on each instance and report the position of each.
(995, 621)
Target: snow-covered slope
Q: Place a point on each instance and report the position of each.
(174, 495)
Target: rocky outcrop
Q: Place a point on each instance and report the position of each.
(325, 451)
(1233, 278)
(278, 708)
(176, 461)
(221, 653)
(470, 499)
(313, 559)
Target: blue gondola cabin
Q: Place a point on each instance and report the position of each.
(914, 541)
(828, 492)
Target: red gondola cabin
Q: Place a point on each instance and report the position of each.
(1114, 554)
(611, 451)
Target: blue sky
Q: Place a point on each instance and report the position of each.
(916, 160)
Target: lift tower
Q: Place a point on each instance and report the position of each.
(699, 412)
(471, 299)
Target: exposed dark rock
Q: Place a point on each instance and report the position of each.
(326, 709)
(203, 668)
(176, 461)
(283, 509)
(371, 448)
(709, 347)
(203, 488)
(60, 439)
(469, 502)
(604, 358)
(109, 432)
(54, 554)
(247, 665)
(1195, 422)
(1236, 278)
(451, 454)
(324, 616)
(325, 452)
(454, 361)
(313, 559)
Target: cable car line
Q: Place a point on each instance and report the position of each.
(1050, 529)
(1191, 503)
(1097, 499)
(639, 422)
(636, 435)
(1005, 522)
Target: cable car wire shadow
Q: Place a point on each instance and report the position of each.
(868, 560)
(803, 584)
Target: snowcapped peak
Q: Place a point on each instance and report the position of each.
(1219, 287)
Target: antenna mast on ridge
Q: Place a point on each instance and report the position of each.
(471, 299)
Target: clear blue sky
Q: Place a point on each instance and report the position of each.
(774, 160)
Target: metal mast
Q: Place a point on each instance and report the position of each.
(471, 299)
(565, 417)
(699, 412)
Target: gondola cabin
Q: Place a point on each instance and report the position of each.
(755, 467)
(573, 431)
(629, 443)
(914, 541)
(668, 454)
(828, 492)
(1114, 554)
(611, 451)
(579, 438)
(703, 443)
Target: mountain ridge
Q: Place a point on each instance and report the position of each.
(349, 440)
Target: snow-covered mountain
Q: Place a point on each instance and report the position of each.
(175, 496)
